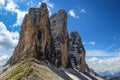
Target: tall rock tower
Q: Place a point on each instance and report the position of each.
(35, 39)
(77, 52)
(58, 23)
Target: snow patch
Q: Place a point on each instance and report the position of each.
(71, 75)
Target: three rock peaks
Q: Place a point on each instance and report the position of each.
(45, 38)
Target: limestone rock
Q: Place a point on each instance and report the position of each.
(35, 37)
(76, 52)
(58, 22)
(45, 40)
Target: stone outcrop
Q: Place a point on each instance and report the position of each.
(44, 44)
(45, 38)
(35, 37)
(76, 52)
(58, 25)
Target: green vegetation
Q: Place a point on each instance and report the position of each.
(29, 69)
(19, 70)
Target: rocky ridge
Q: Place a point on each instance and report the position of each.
(46, 40)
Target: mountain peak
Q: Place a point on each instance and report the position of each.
(46, 41)
(43, 6)
(35, 37)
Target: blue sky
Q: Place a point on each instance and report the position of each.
(97, 21)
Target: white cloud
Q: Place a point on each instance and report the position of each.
(4, 58)
(89, 43)
(20, 16)
(92, 43)
(13, 7)
(72, 14)
(50, 5)
(2, 2)
(102, 61)
(32, 3)
(83, 11)
(105, 64)
(5, 54)
(8, 39)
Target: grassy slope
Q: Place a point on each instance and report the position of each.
(28, 70)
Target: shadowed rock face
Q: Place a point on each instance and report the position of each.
(76, 52)
(59, 32)
(35, 37)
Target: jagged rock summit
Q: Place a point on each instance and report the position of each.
(45, 51)
(35, 39)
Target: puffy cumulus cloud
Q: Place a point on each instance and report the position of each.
(2, 2)
(8, 39)
(83, 11)
(20, 16)
(5, 54)
(105, 64)
(72, 14)
(4, 58)
(50, 5)
(102, 61)
(13, 7)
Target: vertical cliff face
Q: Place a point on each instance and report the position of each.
(35, 37)
(77, 52)
(58, 23)
(44, 41)
(45, 38)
